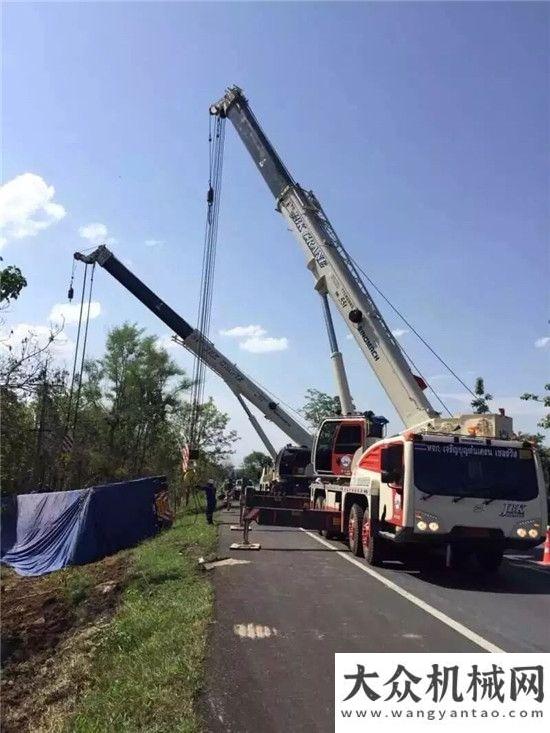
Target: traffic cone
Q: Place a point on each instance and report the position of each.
(546, 550)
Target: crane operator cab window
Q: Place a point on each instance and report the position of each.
(323, 448)
(336, 443)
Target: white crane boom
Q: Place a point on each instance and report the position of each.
(331, 266)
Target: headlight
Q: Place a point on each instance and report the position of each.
(528, 528)
(426, 521)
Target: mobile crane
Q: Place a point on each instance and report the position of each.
(242, 386)
(459, 482)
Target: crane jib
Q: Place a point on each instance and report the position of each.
(132, 283)
(195, 342)
(266, 159)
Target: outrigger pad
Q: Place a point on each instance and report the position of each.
(243, 546)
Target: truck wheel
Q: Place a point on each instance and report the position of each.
(319, 504)
(489, 559)
(373, 544)
(355, 530)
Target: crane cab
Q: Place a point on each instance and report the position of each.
(338, 440)
(293, 470)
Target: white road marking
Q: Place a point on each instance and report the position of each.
(254, 631)
(439, 615)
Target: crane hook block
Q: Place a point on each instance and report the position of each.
(70, 294)
(210, 196)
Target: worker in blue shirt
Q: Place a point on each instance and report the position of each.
(210, 490)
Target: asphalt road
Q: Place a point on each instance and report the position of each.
(283, 612)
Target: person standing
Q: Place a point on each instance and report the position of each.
(210, 491)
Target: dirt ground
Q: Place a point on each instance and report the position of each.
(50, 627)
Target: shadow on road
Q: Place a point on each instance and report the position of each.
(301, 549)
(523, 577)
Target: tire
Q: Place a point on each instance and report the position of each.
(355, 530)
(489, 559)
(319, 504)
(374, 549)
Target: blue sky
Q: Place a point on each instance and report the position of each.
(423, 129)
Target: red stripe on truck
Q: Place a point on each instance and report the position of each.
(372, 460)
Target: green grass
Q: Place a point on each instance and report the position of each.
(76, 586)
(148, 668)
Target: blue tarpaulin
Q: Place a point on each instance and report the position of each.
(46, 532)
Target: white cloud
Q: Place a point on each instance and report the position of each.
(62, 347)
(398, 332)
(27, 207)
(153, 242)
(543, 342)
(349, 336)
(255, 339)
(96, 234)
(244, 332)
(69, 312)
(262, 345)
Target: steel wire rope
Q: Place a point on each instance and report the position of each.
(413, 329)
(71, 390)
(84, 344)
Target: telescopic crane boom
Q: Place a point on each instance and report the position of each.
(238, 383)
(332, 268)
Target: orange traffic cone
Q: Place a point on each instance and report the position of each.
(546, 551)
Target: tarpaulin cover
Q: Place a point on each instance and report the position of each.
(46, 532)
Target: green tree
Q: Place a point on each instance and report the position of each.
(30, 388)
(12, 282)
(131, 419)
(318, 406)
(17, 426)
(130, 401)
(215, 438)
(253, 465)
(538, 438)
(480, 402)
(544, 422)
(32, 429)
(216, 443)
(22, 364)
